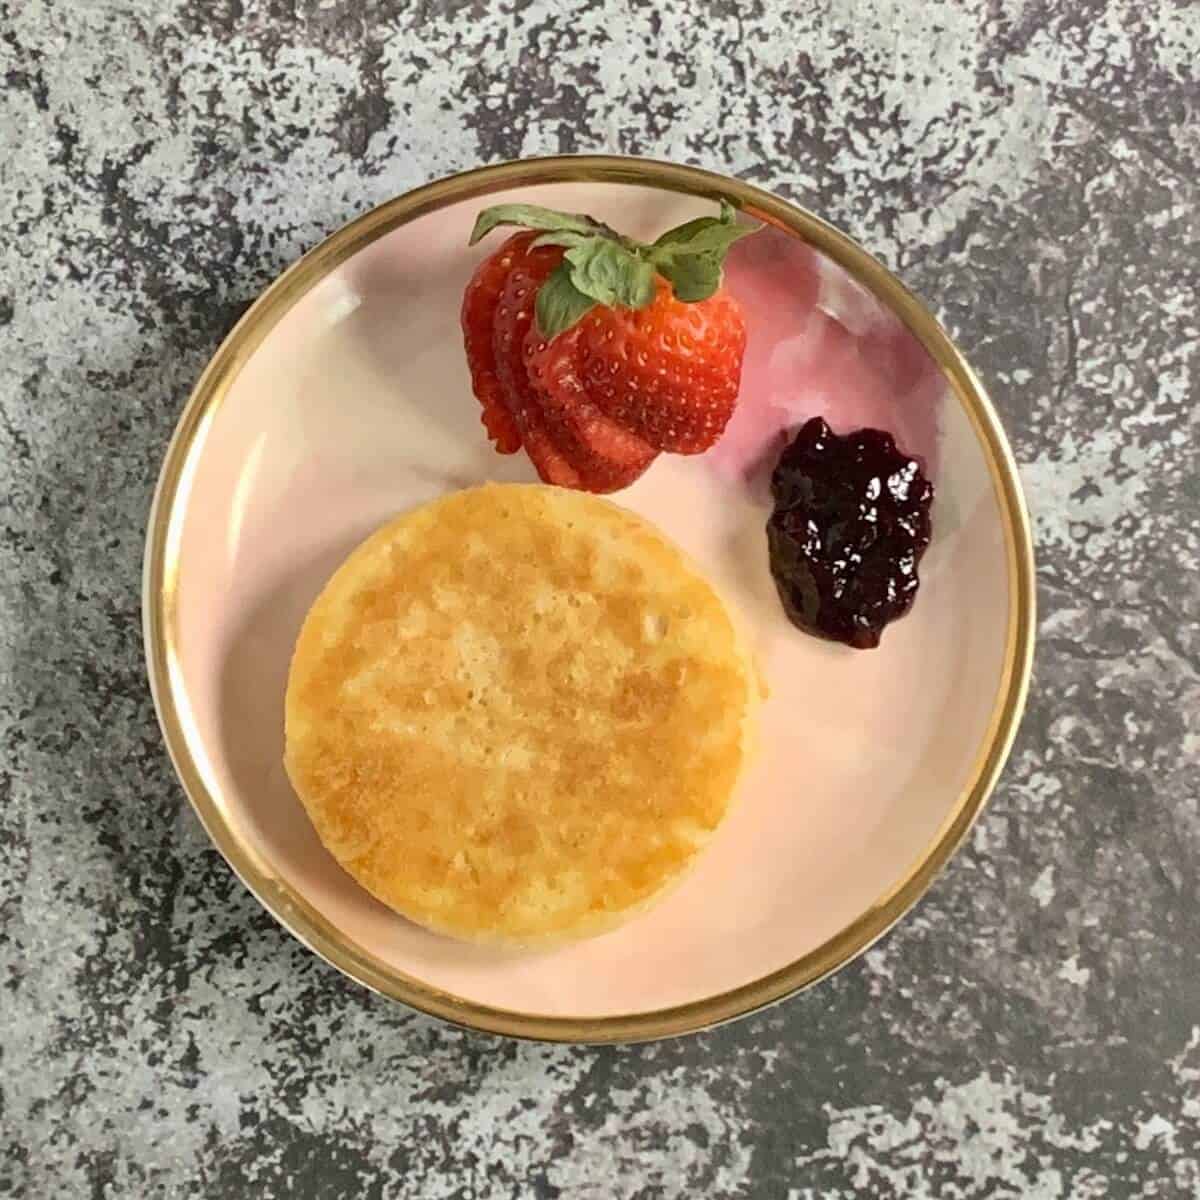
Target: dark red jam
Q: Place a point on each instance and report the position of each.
(851, 522)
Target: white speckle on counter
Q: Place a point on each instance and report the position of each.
(1031, 170)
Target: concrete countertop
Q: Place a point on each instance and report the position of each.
(1030, 168)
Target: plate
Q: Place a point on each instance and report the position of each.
(342, 397)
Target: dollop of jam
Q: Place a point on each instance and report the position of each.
(850, 524)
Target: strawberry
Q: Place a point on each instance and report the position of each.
(478, 320)
(668, 373)
(597, 352)
(562, 449)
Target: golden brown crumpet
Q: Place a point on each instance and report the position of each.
(517, 714)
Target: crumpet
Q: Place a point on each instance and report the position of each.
(517, 714)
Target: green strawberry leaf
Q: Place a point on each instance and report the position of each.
(610, 273)
(560, 304)
(691, 255)
(639, 287)
(689, 229)
(530, 216)
(704, 233)
(715, 238)
(558, 237)
(681, 233)
(692, 277)
(601, 267)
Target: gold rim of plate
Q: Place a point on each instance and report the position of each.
(161, 583)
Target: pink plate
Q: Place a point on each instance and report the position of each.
(343, 398)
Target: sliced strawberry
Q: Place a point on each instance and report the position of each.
(478, 322)
(552, 466)
(668, 373)
(549, 431)
(596, 351)
(554, 368)
(512, 319)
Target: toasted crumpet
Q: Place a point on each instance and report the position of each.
(517, 714)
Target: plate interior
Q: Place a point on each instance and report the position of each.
(357, 405)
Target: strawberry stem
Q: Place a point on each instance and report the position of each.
(601, 266)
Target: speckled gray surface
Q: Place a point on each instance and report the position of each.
(1030, 167)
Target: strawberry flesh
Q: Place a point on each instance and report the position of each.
(668, 373)
(478, 322)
